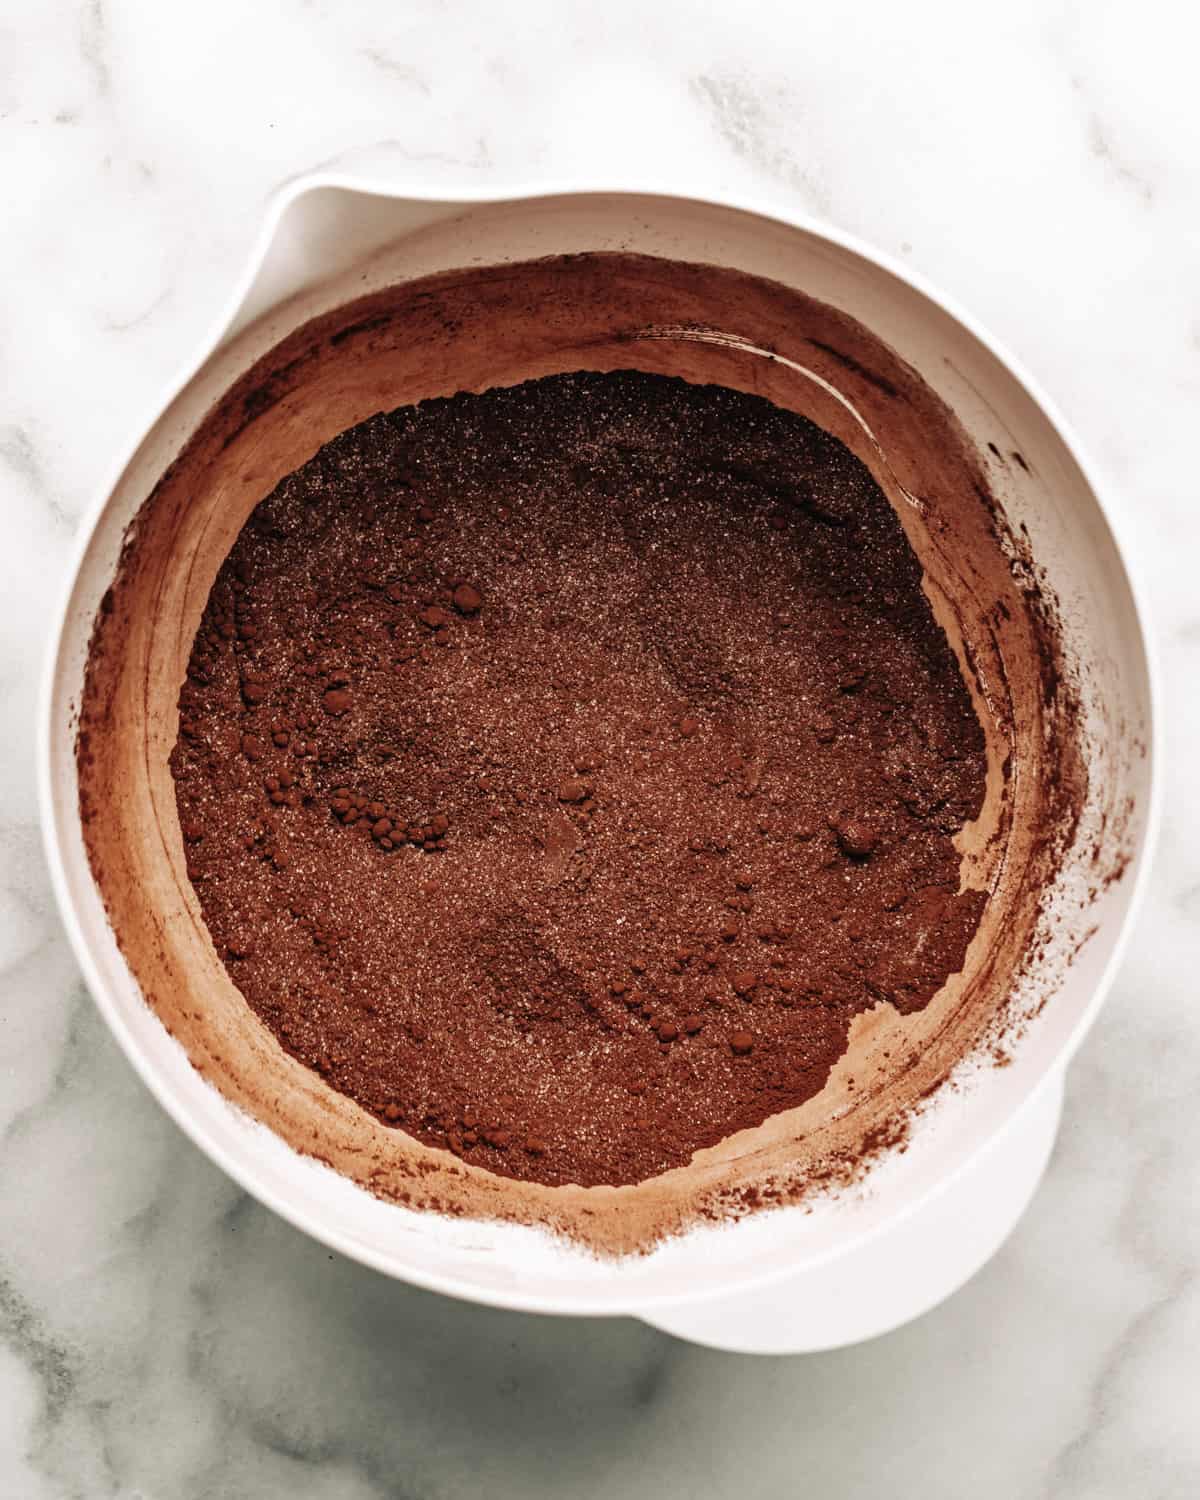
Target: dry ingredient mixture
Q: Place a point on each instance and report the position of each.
(561, 769)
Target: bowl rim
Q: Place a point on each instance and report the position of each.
(240, 1168)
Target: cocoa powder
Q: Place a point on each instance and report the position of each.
(561, 769)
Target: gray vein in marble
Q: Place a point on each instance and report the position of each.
(403, 72)
(19, 454)
(50, 1361)
(93, 45)
(124, 325)
(745, 120)
(28, 1330)
(1101, 146)
(389, 151)
(1076, 1469)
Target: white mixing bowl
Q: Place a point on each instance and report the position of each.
(841, 1267)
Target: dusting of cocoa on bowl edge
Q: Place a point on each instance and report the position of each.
(790, 1155)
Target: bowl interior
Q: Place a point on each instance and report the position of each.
(434, 299)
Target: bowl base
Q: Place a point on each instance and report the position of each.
(897, 1275)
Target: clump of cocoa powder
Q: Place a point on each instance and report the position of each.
(562, 769)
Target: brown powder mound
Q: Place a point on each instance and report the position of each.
(561, 769)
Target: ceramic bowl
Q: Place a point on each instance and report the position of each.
(805, 1276)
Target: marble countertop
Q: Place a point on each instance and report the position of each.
(164, 1337)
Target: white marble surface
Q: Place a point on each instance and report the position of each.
(163, 1337)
